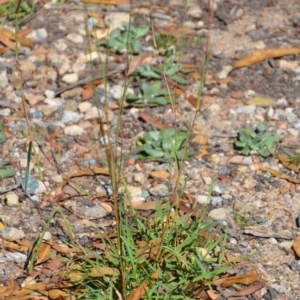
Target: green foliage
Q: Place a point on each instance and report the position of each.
(167, 143)
(174, 261)
(152, 95)
(170, 69)
(8, 10)
(261, 140)
(126, 40)
(4, 173)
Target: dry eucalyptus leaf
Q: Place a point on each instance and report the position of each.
(258, 56)
(296, 245)
(261, 101)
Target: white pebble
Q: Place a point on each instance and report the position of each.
(70, 78)
(74, 130)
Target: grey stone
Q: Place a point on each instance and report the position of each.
(216, 200)
(16, 257)
(248, 109)
(70, 116)
(11, 234)
(219, 214)
(75, 38)
(296, 125)
(159, 190)
(38, 35)
(117, 92)
(96, 211)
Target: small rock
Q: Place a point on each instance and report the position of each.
(38, 35)
(249, 182)
(135, 191)
(70, 116)
(15, 257)
(279, 288)
(5, 112)
(293, 131)
(194, 11)
(75, 38)
(115, 20)
(117, 92)
(47, 236)
(92, 22)
(96, 211)
(11, 234)
(83, 107)
(203, 199)
(47, 110)
(296, 125)
(71, 105)
(94, 113)
(74, 130)
(49, 94)
(291, 117)
(216, 200)
(159, 190)
(219, 214)
(287, 245)
(248, 109)
(214, 109)
(139, 177)
(279, 115)
(70, 78)
(78, 67)
(88, 163)
(3, 77)
(53, 102)
(72, 94)
(225, 71)
(60, 45)
(34, 186)
(12, 199)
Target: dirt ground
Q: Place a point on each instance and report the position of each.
(269, 205)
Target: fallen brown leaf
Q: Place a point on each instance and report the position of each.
(287, 163)
(137, 61)
(16, 246)
(160, 174)
(11, 36)
(296, 245)
(202, 141)
(197, 103)
(249, 278)
(85, 172)
(44, 253)
(140, 291)
(55, 264)
(250, 289)
(141, 205)
(66, 250)
(7, 291)
(149, 119)
(7, 42)
(279, 175)
(258, 56)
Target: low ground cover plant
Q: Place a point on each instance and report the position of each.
(260, 140)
